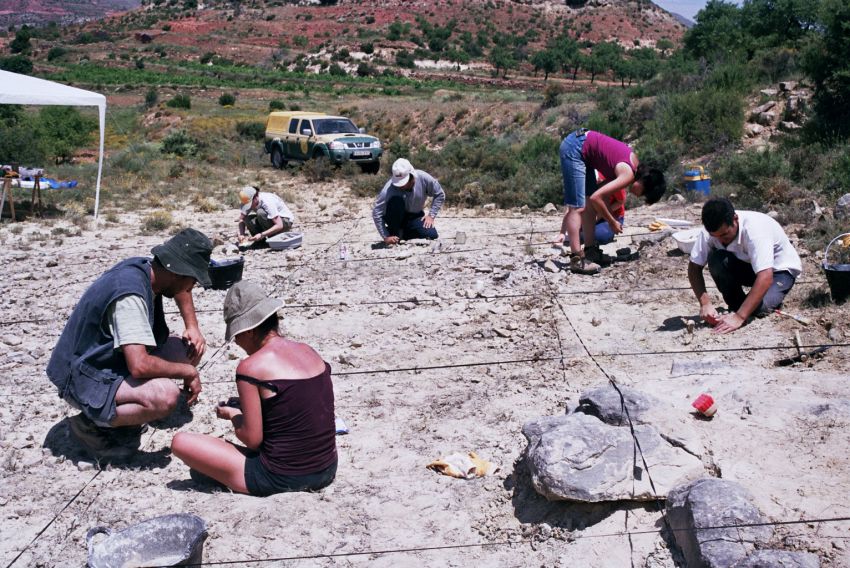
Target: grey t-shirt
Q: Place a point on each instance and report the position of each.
(127, 318)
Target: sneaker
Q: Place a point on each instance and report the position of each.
(105, 443)
(580, 265)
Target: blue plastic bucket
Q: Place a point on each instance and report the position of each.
(697, 180)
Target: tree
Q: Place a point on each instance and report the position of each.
(718, 32)
(546, 61)
(64, 130)
(827, 63)
(645, 63)
(567, 54)
(502, 58)
(604, 56)
(21, 43)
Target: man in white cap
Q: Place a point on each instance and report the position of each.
(263, 215)
(399, 210)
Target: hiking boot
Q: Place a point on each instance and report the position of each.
(595, 255)
(580, 265)
(105, 443)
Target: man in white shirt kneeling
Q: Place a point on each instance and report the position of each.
(743, 248)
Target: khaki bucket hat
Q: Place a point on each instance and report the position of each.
(246, 306)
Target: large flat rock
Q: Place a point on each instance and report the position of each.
(578, 457)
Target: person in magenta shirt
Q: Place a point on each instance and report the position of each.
(582, 152)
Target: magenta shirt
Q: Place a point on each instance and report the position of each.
(603, 153)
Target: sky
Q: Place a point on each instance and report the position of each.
(687, 8)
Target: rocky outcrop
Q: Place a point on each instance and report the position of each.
(698, 514)
(590, 455)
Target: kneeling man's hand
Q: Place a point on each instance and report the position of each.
(428, 222)
(729, 323)
(391, 240)
(709, 314)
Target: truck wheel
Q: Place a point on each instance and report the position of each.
(277, 159)
(370, 168)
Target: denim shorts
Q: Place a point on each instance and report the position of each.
(579, 180)
(261, 482)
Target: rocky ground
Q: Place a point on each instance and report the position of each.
(515, 337)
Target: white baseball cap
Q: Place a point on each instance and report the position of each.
(401, 172)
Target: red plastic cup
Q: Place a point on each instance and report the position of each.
(705, 405)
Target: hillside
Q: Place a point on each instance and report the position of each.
(422, 40)
(37, 12)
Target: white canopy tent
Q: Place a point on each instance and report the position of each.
(18, 89)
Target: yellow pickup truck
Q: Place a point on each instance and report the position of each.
(302, 136)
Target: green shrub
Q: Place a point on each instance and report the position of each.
(180, 100)
(56, 52)
(180, 143)
(276, 104)
(64, 130)
(157, 221)
(136, 158)
(252, 130)
(227, 99)
(702, 121)
(151, 97)
(16, 64)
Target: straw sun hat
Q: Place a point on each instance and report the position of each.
(246, 306)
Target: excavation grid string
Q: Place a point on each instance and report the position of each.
(619, 534)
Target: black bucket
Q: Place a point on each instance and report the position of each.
(838, 274)
(225, 273)
(170, 540)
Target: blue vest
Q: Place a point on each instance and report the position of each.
(86, 339)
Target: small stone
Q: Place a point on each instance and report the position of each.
(23, 276)
(769, 92)
(489, 207)
(753, 130)
(842, 208)
(835, 335)
(676, 198)
(773, 214)
(766, 118)
(11, 340)
(789, 126)
(501, 332)
(549, 208)
(596, 322)
(550, 266)
(356, 343)
(764, 108)
(786, 86)
(85, 466)
(52, 262)
(484, 269)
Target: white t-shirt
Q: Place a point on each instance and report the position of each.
(272, 205)
(127, 318)
(760, 242)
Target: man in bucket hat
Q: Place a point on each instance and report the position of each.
(115, 357)
(399, 210)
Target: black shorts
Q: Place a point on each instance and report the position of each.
(262, 482)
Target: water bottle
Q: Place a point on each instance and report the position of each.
(343, 251)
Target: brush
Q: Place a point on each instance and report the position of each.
(800, 319)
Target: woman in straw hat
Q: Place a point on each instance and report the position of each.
(285, 409)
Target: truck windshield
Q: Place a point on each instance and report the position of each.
(334, 126)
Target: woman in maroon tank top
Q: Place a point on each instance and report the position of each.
(285, 410)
